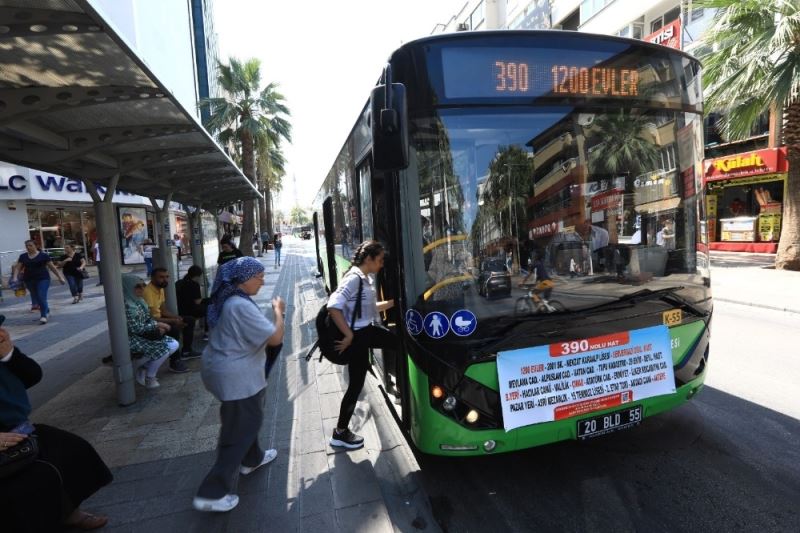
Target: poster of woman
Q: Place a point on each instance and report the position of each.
(133, 232)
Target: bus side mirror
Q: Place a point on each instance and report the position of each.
(389, 117)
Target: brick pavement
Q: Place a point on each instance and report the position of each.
(161, 447)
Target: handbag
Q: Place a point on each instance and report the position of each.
(18, 457)
(83, 273)
(152, 334)
(328, 333)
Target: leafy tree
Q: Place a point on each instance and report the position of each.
(752, 65)
(299, 216)
(244, 119)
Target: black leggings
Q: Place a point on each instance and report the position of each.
(363, 340)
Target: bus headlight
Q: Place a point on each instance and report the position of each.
(472, 416)
(449, 403)
(437, 392)
(489, 445)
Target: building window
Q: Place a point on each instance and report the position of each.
(477, 17)
(672, 14)
(697, 13)
(635, 29)
(668, 157)
(590, 7)
(656, 24)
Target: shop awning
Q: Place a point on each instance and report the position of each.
(77, 101)
(659, 206)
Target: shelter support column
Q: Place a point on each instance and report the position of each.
(164, 256)
(112, 288)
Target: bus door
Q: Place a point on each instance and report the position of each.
(320, 269)
(377, 215)
(330, 250)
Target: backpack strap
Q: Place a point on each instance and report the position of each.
(357, 310)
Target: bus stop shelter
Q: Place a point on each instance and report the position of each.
(76, 100)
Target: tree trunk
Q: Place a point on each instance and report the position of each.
(788, 257)
(248, 217)
(268, 204)
(262, 206)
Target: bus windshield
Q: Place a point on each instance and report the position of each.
(551, 209)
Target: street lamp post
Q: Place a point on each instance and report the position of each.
(511, 201)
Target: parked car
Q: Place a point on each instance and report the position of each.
(494, 279)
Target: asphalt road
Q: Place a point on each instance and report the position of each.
(726, 461)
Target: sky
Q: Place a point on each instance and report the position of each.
(326, 56)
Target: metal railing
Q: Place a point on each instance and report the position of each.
(7, 259)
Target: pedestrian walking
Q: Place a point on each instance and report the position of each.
(228, 251)
(233, 371)
(147, 252)
(277, 243)
(96, 250)
(74, 266)
(179, 245)
(35, 265)
(149, 343)
(264, 241)
(366, 332)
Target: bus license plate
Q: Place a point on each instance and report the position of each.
(603, 424)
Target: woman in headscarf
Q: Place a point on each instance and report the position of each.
(233, 371)
(150, 346)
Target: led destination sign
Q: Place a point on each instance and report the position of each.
(534, 73)
(514, 78)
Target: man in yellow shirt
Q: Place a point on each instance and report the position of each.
(154, 296)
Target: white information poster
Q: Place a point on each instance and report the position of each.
(566, 379)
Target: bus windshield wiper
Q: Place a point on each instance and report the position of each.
(667, 294)
(510, 323)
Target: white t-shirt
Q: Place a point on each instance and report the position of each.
(147, 250)
(344, 299)
(96, 251)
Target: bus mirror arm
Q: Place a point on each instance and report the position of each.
(389, 124)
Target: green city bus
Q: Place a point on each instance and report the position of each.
(539, 197)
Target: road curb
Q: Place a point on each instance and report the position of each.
(762, 306)
(398, 475)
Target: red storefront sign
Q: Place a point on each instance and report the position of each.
(769, 161)
(607, 200)
(669, 35)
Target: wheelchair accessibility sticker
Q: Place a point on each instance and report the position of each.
(413, 322)
(436, 325)
(463, 323)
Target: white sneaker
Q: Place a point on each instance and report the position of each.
(43, 320)
(151, 383)
(269, 456)
(223, 505)
(141, 376)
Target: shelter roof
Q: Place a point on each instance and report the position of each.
(76, 100)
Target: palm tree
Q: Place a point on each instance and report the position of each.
(752, 66)
(244, 116)
(270, 169)
(623, 149)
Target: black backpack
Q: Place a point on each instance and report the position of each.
(328, 333)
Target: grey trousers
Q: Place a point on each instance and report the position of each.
(238, 445)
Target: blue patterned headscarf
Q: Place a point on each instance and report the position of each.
(226, 284)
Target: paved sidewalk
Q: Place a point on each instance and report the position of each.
(751, 279)
(161, 447)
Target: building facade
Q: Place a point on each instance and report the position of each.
(177, 42)
(752, 195)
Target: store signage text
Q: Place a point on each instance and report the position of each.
(731, 163)
(49, 183)
(668, 35)
(767, 161)
(14, 183)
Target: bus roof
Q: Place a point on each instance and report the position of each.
(471, 35)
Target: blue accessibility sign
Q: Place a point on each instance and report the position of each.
(436, 325)
(463, 323)
(413, 322)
